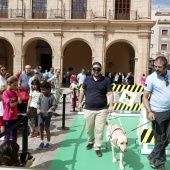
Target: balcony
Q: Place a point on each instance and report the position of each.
(121, 15)
(17, 13)
(58, 14)
(68, 14)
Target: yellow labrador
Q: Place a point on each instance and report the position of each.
(117, 138)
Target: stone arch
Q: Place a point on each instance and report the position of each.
(120, 56)
(13, 47)
(40, 51)
(122, 40)
(7, 53)
(34, 39)
(78, 50)
(74, 38)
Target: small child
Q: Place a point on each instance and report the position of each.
(10, 99)
(32, 107)
(73, 86)
(1, 111)
(45, 108)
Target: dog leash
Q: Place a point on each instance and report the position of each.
(138, 127)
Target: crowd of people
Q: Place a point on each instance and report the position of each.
(43, 97)
(43, 91)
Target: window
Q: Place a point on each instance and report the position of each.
(164, 32)
(122, 9)
(79, 9)
(164, 46)
(3, 8)
(39, 9)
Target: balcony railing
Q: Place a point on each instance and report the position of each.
(17, 13)
(49, 14)
(67, 14)
(121, 15)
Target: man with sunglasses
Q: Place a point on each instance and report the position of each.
(96, 88)
(158, 110)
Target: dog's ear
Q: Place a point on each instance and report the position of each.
(115, 141)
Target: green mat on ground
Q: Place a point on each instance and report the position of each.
(72, 154)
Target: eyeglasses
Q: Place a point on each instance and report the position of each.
(96, 69)
(166, 81)
(3, 69)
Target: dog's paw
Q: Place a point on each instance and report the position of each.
(114, 160)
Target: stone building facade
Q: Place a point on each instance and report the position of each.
(72, 34)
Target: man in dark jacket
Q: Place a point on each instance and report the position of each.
(67, 79)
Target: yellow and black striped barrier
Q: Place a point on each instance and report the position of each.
(83, 104)
(121, 106)
(147, 136)
(131, 88)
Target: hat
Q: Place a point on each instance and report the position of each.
(36, 72)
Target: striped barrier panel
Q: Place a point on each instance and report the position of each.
(121, 106)
(147, 136)
(131, 88)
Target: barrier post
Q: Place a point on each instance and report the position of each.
(63, 115)
(25, 134)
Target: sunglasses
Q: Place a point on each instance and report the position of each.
(166, 81)
(97, 69)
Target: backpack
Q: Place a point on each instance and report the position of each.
(24, 94)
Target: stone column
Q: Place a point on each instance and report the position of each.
(142, 57)
(18, 60)
(99, 53)
(57, 59)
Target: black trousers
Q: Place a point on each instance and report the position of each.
(161, 132)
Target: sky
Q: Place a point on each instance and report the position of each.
(164, 4)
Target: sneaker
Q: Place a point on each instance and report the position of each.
(47, 146)
(38, 135)
(41, 146)
(31, 134)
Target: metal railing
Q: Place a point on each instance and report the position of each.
(17, 13)
(114, 15)
(49, 14)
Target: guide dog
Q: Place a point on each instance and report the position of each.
(118, 139)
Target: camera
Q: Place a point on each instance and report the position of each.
(24, 156)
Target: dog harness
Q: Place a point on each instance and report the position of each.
(113, 128)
